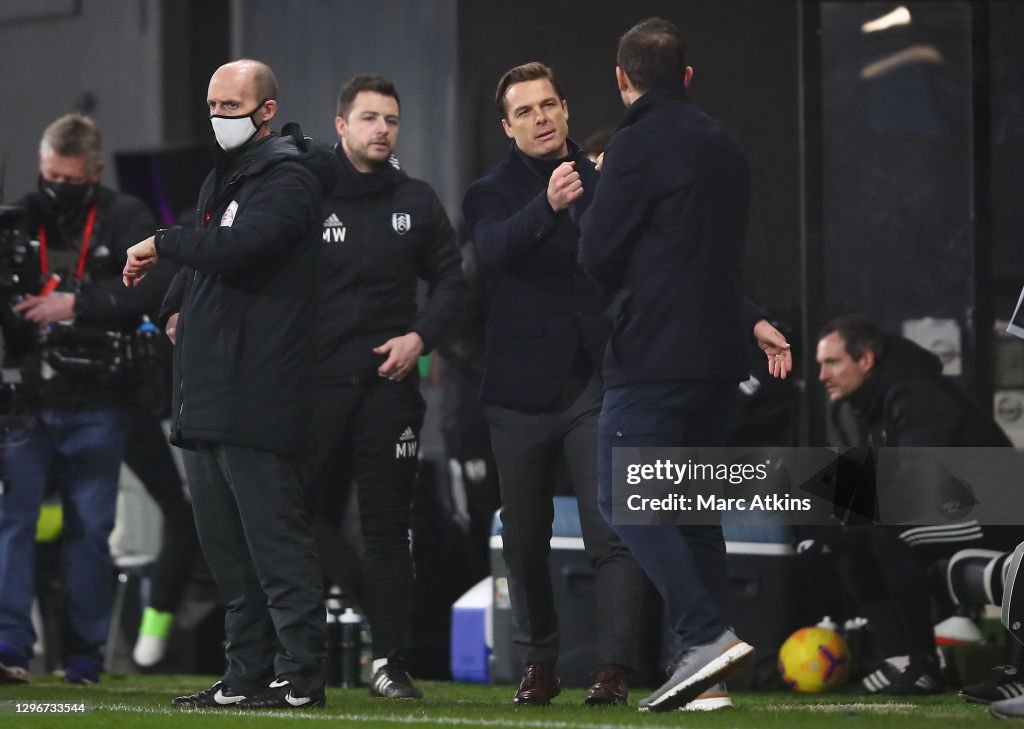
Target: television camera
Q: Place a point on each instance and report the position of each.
(30, 354)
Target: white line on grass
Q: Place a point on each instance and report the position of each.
(315, 715)
(889, 707)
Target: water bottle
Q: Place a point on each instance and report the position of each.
(351, 647)
(828, 623)
(146, 341)
(332, 664)
(857, 633)
(366, 659)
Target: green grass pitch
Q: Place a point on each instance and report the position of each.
(144, 701)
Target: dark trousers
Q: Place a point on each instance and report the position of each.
(369, 433)
(686, 563)
(526, 448)
(885, 570)
(148, 454)
(251, 518)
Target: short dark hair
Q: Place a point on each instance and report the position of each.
(859, 332)
(376, 84)
(526, 72)
(652, 52)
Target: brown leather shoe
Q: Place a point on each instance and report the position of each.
(611, 686)
(539, 685)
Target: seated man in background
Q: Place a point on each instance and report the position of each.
(889, 392)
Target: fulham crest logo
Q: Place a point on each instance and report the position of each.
(401, 222)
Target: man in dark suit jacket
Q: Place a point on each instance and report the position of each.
(541, 383)
(665, 237)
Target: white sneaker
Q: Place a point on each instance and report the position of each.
(153, 634)
(149, 650)
(957, 630)
(715, 698)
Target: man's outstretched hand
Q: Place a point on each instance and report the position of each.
(775, 348)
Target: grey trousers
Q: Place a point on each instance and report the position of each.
(250, 514)
(526, 448)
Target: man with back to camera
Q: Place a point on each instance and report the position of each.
(383, 232)
(542, 381)
(665, 237)
(78, 437)
(241, 313)
(893, 393)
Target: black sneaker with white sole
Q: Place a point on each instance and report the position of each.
(393, 682)
(1006, 682)
(218, 696)
(900, 678)
(282, 695)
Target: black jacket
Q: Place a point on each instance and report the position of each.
(101, 301)
(905, 401)
(381, 232)
(542, 310)
(247, 298)
(665, 237)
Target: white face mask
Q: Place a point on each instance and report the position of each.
(234, 131)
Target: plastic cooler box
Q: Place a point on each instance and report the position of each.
(473, 633)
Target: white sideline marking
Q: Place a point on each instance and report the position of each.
(889, 707)
(319, 715)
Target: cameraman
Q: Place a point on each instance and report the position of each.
(76, 440)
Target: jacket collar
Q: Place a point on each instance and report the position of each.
(356, 184)
(656, 96)
(520, 160)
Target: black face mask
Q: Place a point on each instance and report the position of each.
(67, 197)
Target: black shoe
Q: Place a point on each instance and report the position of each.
(282, 695)
(611, 686)
(218, 696)
(1005, 683)
(919, 676)
(81, 670)
(393, 682)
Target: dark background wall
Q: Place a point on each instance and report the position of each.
(99, 56)
(315, 46)
(1006, 66)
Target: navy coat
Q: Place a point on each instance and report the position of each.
(541, 308)
(665, 238)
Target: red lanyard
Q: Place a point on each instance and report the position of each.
(44, 264)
